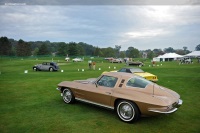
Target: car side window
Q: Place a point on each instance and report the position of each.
(137, 82)
(44, 63)
(107, 81)
(122, 70)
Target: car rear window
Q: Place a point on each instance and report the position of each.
(138, 82)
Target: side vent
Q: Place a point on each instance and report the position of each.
(120, 85)
(122, 82)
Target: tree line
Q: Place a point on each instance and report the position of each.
(11, 47)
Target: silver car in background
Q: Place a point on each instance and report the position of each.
(46, 66)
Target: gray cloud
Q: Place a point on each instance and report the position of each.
(143, 27)
(100, 2)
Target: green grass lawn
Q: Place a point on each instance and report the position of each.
(30, 102)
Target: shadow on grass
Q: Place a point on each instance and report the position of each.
(112, 114)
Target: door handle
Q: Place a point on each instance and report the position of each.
(108, 93)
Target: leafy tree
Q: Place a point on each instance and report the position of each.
(169, 50)
(108, 52)
(158, 52)
(5, 46)
(73, 51)
(88, 49)
(122, 54)
(35, 52)
(43, 50)
(23, 48)
(97, 51)
(13, 51)
(150, 54)
(185, 49)
(62, 49)
(197, 48)
(101, 54)
(132, 52)
(117, 48)
(81, 50)
(180, 51)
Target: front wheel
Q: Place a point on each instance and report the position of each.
(127, 111)
(51, 69)
(68, 96)
(35, 69)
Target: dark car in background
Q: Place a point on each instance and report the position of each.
(134, 63)
(46, 66)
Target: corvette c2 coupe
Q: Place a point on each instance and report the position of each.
(129, 95)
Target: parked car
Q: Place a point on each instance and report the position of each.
(46, 66)
(67, 59)
(134, 63)
(109, 58)
(140, 72)
(137, 71)
(118, 60)
(77, 60)
(129, 95)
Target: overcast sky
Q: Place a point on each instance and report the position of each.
(143, 27)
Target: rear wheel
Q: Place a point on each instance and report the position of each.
(68, 96)
(127, 111)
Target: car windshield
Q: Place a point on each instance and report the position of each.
(138, 82)
(133, 70)
(53, 64)
(107, 81)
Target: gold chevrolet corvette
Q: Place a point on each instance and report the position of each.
(139, 72)
(129, 95)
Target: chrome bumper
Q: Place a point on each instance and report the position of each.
(59, 89)
(180, 102)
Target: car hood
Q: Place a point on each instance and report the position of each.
(143, 74)
(87, 81)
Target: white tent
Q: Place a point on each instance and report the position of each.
(169, 57)
(156, 59)
(194, 53)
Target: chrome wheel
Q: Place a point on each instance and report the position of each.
(68, 96)
(51, 69)
(127, 111)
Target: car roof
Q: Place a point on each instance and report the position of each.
(121, 75)
(133, 68)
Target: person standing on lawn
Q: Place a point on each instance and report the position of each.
(93, 65)
(90, 64)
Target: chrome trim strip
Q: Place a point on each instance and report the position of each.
(163, 112)
(87, 101)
